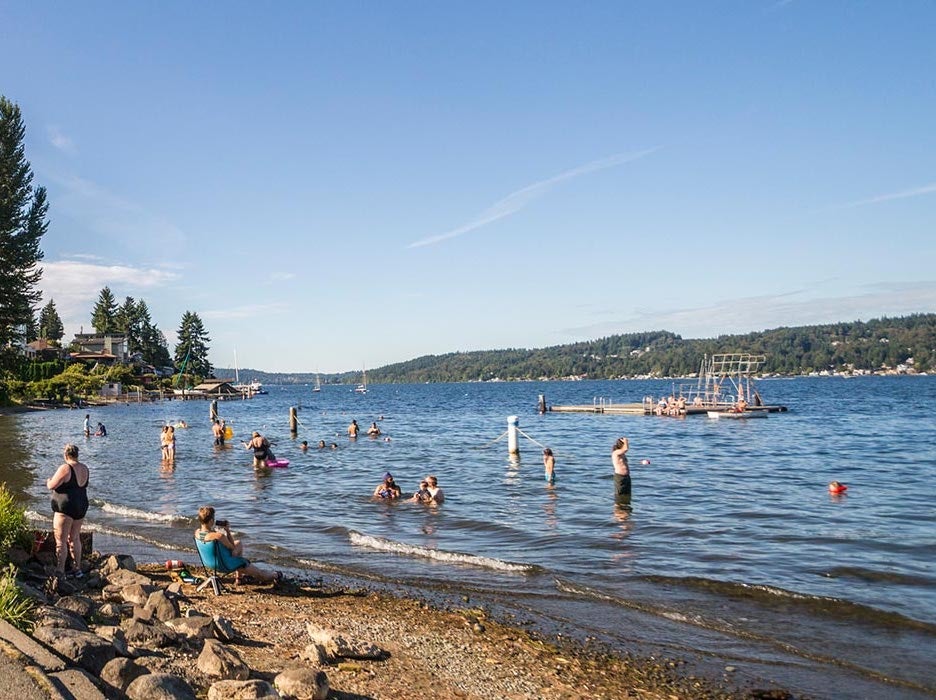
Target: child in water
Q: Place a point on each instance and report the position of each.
(549, 465)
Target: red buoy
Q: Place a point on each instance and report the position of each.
(837, 487)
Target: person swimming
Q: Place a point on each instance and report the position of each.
(388, 488)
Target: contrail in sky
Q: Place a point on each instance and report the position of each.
(516, 201)
(916, 192)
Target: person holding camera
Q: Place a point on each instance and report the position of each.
(231, 550)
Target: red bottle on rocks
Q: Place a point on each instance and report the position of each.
(174, 564)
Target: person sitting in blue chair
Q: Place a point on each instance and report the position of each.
(227, 557)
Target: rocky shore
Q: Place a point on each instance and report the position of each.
(128, 631)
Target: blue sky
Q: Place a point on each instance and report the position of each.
(347, 184)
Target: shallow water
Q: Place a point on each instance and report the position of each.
(732, 546)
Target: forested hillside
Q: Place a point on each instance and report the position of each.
(885, 343)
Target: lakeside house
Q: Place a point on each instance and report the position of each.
(103, 348)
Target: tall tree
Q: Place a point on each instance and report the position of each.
(127, 323)
(105, 311)
(22, 224)
(193, 344)
(50, 323)
(32, 327)
(152, 341)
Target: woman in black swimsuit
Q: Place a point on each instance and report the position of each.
(69, 487)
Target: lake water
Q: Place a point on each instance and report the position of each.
(733, 551)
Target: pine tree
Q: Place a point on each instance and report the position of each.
(152, 341)
(127, 323)
(193, 344)
(22, 225)
(105, 312)
(50, 323)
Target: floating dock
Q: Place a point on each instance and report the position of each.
(639, 409)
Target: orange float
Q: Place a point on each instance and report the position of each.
(837, 487)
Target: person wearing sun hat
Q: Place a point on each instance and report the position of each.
(388, 488)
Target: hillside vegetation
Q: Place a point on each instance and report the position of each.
(886, 344)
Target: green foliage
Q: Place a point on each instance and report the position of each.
(15, 607)
(103, 317)
(193, 344)
(23, 212)
(75, 380)
(13, 523)
(50, 323)
(870, 346)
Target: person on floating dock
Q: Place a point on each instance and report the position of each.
(622, 480)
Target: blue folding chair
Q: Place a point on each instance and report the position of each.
(218, 562)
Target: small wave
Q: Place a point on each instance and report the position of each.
(875, 576)
(776, 597)
(385, 545)
(139, 514)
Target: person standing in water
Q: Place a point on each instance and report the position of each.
(69, 487)
(218, 431)
(549, 466)
(622, 480)
(87, 425)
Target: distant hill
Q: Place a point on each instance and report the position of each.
(908, 343)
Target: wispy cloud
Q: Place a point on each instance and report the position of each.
(109, 215)
(795, 308)
(75, 285)
(905, 194)
(60, 141)
(516, 201)
(246, 311)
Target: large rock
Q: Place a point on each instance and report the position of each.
(302, 683)
(108, 612)
(47, 616)
(124, 577)
(84, 649)
(116, 636)
(137, 593)
(120, 673)
(149, 635)
(163, 607)
(117, 562)
(193, 627)
(217, 661)
(78, 604)
(337, 645)
(160, 686)
(243, 690)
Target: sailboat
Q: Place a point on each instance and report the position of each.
(362, 387)
(250, 389)
(318, 384)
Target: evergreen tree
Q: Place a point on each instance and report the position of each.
(32, 327)
(105, 311)
(127, 323)
(22, 225)
(152, 341)
(193, 343)
(50, 323)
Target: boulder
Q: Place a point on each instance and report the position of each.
(78, 604)
(108, 611)
(84, 649)
(163, 607)
(47, 616)
(243, 690)
(120, 673)
(193, 627)
(160, 686)
(116, 636)
(149, 635)
(116, 562)
(337, 645)
(302, 683)
(136, 593)
(125, 577)
(217, 661)
(111, 593)
(145, 614)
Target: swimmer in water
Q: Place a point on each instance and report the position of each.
(388, 488)
(549, 466)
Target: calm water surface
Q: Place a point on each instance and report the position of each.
(733, 548)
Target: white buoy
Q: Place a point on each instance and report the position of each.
(513, 446)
